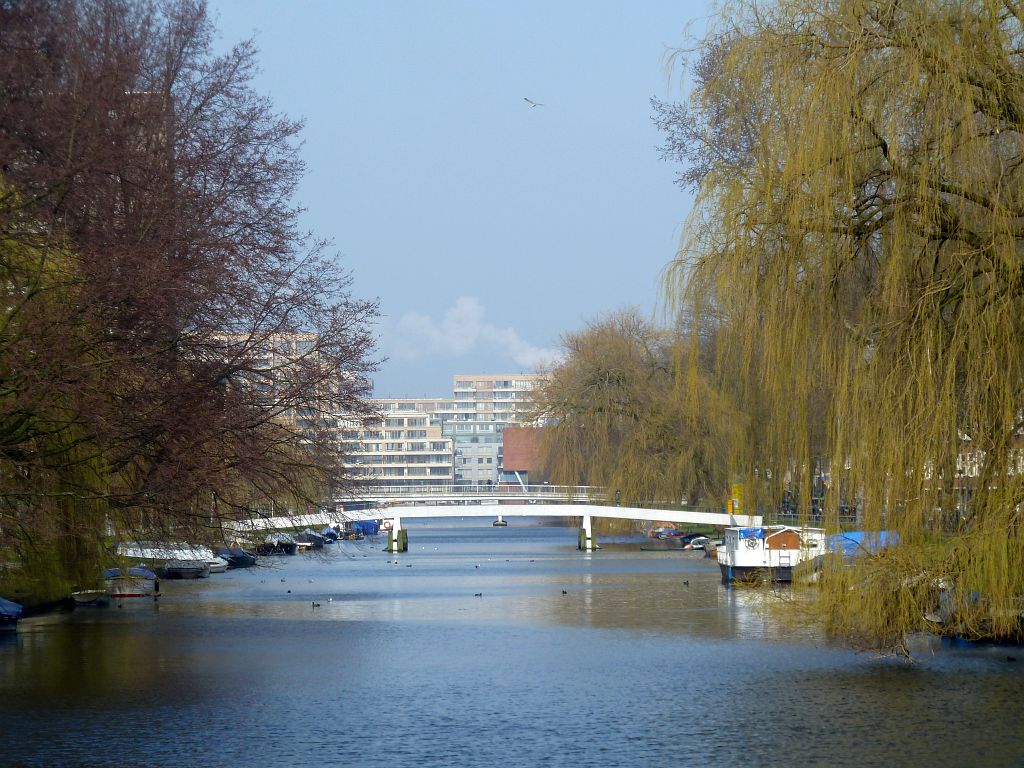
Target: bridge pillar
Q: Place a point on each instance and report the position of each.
(398, 537)
(586, 540)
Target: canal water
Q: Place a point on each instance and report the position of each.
(485, 647)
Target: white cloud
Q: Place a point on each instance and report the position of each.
(461, 331)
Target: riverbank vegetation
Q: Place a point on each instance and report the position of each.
(856, 249)
(632, 409)
(174, 350)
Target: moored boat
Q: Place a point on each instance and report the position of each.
(768, 553)
(186, 569)
(310, 538)
(237, 557)
(172, 560)
(10, 614)
(135, 583)
(277, 544)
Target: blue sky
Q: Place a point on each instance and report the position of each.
(486, 228)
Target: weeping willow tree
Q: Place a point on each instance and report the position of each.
(858, 245)
(619, 415)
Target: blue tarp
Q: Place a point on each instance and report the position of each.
(862, 542)
(751, 533)
(9, 609)
(366, 527)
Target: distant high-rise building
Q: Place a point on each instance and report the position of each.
(439, 441)
(484, 405)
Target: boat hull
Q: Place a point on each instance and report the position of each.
(755, 574)
(237, 557)
(120, 589)
(277, 548)
(186, 569)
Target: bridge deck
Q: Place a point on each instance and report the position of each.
(493, 509)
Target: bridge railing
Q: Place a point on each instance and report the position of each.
(543, 491)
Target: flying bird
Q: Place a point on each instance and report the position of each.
(532, 103)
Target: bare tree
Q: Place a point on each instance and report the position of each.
(149, 232)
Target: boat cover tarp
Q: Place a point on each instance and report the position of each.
(10, 609)
(862, 542)
(366, 527)
(136, 571)
(228, 552)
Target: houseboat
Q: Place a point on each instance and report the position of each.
(769, 552)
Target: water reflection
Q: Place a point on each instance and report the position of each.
(562, 659)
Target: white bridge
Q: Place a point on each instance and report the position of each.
(394, 505)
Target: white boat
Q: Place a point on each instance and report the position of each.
(217, 564)
(173, 560)
(163, 551)
(129, 585)
(768, 552)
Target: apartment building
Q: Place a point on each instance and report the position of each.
(439, 441)
(483, 405)
(401, 445)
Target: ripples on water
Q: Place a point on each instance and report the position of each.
(406, 666)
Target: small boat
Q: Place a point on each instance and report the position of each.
(131, 583)
(665, 532)
(217, 564)
(10, 613)
(173, 560)
(186, 569)
(237, 557)
(91, 598)
(501, 522)
(768, 552)
(310, 538)
(277, 544)
(330, 535)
